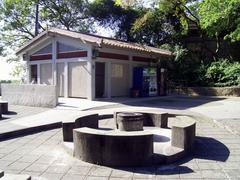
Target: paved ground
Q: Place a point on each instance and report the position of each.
(41, 155)
(226, 111)
(22, 117)
(9, 121)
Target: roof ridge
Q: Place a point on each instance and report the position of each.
(96, 40)
(94, 35)
(104, 37)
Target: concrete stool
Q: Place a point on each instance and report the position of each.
(1, 173)
(183, 133)
(0, 112)
(130, 121)
(154, 119)
(4, 107)
(84, 120)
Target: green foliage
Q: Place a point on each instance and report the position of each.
(223, 73)
(108, 13)
(184, 10)
(71, 15)
(129, 3)
(10, 81)
(163, 24)
(20, 71)
(154, 28)
(17, 18)
(218, 73)
(221, 18)
(179, 53)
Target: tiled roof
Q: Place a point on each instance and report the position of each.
(96, 40)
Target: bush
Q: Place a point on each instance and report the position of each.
(223, 73)
(219, 73)
(10, 81)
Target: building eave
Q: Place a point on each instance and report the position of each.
(97, 41)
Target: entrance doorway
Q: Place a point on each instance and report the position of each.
(99, 79)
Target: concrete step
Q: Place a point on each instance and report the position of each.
(15, 177)
(1, 173)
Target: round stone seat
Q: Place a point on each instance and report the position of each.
(83, 120)
(183, 133)
(4, 107)
(153, 145)
(113, 148)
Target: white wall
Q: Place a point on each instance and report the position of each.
(90, 73)
(66, 62)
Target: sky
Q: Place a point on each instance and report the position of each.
(6, 69)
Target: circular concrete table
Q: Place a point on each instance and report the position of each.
(130, 121)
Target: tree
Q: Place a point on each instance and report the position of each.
(184, 10)
(18, 17)
(220, 18)
(71, 15)
(155, 28)
(120, 18)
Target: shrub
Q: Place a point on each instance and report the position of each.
(10, 81)
(219, 73)
(223, 73)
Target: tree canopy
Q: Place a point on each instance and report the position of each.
(18, 17)
(159, 23)
(221, 18)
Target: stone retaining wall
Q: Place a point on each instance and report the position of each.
(208, 91)
(30, 94)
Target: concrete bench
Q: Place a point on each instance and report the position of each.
(113, 148)
(183, 133)
(84, 120)
(1, 173)
(4, 106)
(155, 119)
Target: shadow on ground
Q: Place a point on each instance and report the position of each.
(8, 115)
(11, 113)
(206, 148)
(210, 149)
(180, 103)
(168, 102)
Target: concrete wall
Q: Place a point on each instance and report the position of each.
(47, 75)
(208, 91)
(30, 95)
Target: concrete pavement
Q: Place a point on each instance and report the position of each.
(224, 111)
(41, 155)
(217, 154)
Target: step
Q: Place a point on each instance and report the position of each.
(16, 177)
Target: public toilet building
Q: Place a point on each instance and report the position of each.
(85, 66)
